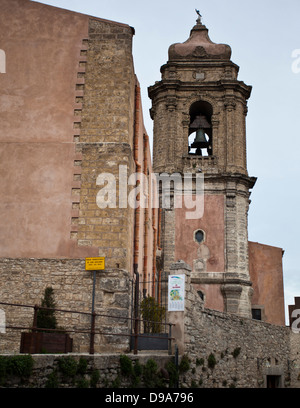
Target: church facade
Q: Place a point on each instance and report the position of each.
(76, 161)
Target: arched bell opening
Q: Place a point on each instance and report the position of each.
(200, 129)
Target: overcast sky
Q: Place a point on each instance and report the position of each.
(265, 39)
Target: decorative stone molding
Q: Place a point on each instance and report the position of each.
(229, 104)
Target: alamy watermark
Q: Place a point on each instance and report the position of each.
(2, 62)
(178, 191)
(296, 315)
(296, 62)
(2, 321)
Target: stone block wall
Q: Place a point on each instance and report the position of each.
(46, 371)
(24, 282)
(105, 141)
(109, 84)
(226, 350)
(109, 229)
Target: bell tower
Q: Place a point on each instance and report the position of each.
(199, 110)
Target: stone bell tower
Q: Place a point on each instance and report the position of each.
(199, 111)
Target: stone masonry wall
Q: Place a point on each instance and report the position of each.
(109, 82)
(46, 372)
(108, 229)
(24, 282)
(226, 350)
(106, 138)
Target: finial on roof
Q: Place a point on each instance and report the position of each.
(198, 21)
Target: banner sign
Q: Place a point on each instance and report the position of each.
(176, 293)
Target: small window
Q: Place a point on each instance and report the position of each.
(256, 314)
(199, 236)
(201, 294)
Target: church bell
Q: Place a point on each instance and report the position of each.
(200, 125)
(200, 137)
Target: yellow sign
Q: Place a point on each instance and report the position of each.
(95, 264)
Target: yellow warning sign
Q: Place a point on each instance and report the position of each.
(95, 264)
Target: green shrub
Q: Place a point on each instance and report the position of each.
(20, 366)
(211, 361)
(137, 368)
(15, 366)
(184, 364)
(2, 369)
(199, 361)
(152, 379)
(125, 364)
(67, 366)
(82, 366)
(116, 383)
(82, 383)
(173, 373)
(46, 318)
(52, 380)
(236, 352)
(95, 376)
(153, 315)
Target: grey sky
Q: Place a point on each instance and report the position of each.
(263, 34)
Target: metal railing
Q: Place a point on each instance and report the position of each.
(92, 330)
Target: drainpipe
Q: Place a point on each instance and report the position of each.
(154, 251)
(137, 108)
(146, 212)
(159, 248)
(138, 170)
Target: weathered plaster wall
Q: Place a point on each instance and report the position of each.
(212, 223)
(265, 265)
(208, 256)
(37, 152)
(68, 111)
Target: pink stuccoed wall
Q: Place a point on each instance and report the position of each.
(212, 223)
(37, 152)
(265, 267)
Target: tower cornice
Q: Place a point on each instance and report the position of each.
(221, 85)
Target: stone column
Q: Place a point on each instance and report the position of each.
(229, 106)
(237, 289)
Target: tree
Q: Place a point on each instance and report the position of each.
(153, 315)
(46, 318)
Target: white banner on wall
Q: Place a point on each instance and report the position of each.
(176, 293)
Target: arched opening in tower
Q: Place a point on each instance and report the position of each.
(200, 129)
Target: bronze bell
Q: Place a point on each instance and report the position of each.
(200, 122)
(200, 137)
(200, 141)
(200, 125)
